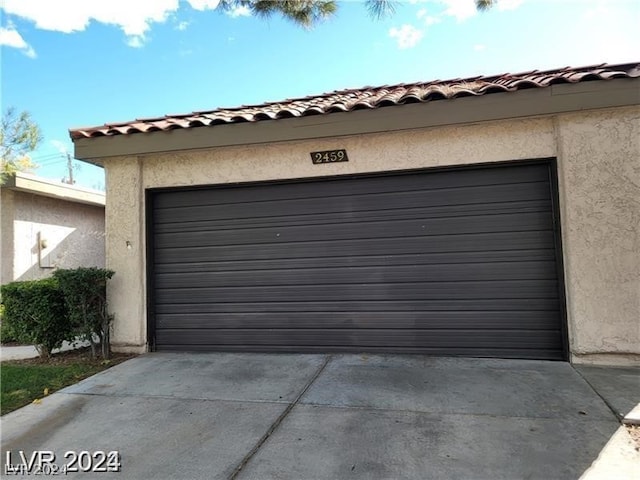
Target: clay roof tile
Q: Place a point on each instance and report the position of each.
(365, 98)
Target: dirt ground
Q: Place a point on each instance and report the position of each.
(634, 431)
(82, 355)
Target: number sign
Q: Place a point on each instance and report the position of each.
(329, 156)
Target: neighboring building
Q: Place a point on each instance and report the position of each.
(47, 225)
(491, 216)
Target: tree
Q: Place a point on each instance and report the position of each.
(484, 5)
(308, 13)
(19, 136)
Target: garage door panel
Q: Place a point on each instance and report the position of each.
(371, 291)
(549, 305)
(482, 242)
(529, 206)
(493, 352)
(251, 210)
(363, 185)
(360, 230)
(530, 320)
(344, 275)
(477, 338)
(460, 262)
(358, 261)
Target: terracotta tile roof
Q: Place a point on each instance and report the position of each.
(365, 98)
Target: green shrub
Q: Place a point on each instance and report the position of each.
(85, 295)
(6, 332)
(35, 312)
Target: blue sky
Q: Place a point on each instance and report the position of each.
(74, 63)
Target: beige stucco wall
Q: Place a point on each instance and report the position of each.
(73, 234)
(587, 205)
(6, 236)
(125, 253)
(599, 157)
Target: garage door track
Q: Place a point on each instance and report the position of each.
(263, 416)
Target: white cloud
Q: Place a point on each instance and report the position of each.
(619, 47)
(9, 37)
(239, 11)
(204, 4)
(427, 19)
(479, 47)
(509, 4)
(464, 9)
(407, 36)
(460, 9)
(134, 18)
(182, 26)
(135, 41)
(60, 146)
(596, 12)
(69, 16)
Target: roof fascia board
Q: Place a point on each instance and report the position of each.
(37, 186)
(560, 98)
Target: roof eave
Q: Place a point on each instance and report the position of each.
(27, 183)
(560, 98)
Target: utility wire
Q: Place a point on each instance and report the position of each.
(49, 155)
(50, 162)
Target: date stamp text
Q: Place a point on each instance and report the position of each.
(46, 462)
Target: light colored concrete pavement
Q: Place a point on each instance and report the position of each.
(20, 352)
(422, 417)
(254, 416)
(529, 389)
(619, 387)
(241, 377)
(619, 459)
(23, 352)
(633, 417)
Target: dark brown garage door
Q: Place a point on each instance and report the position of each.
(453, 262)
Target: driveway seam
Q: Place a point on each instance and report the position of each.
(278, 421)
(618, 415)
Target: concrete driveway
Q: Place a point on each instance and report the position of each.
(255, 416)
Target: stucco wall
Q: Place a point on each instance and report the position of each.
(367, 153)
(6, 236)
(599, 162)
(126, 253)
(564, 136)
(73, 234)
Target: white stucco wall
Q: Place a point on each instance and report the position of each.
(589, 145)
(73, 233)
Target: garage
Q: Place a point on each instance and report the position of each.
(456, 261)
(488, 216)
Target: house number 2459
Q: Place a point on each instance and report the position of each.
(329, 156)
